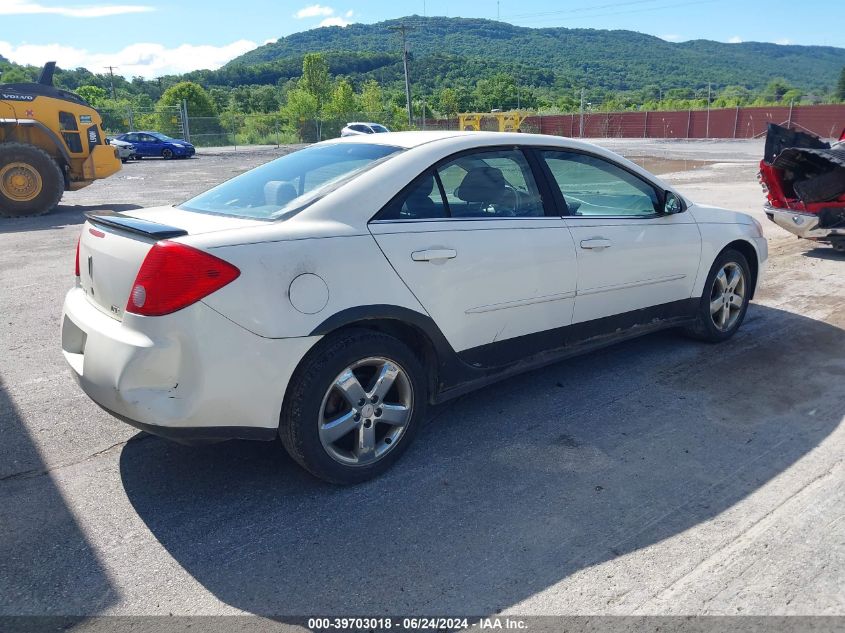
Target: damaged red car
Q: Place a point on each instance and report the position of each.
(803, 178)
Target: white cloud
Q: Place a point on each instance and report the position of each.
(349, 13)
(334, 21)
(145, 60)
(313, 11)
(25, 7)
(671, 38)
(736, 39)
(783, 41)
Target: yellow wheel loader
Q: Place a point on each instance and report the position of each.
(51, 141)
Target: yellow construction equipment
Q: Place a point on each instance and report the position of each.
(51, 141)
(507, 121)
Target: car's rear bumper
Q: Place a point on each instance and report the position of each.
(802, 224)
(192, 375)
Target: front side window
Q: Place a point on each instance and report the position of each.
(592, 186)
(290, 183)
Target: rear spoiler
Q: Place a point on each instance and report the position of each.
(136, 226)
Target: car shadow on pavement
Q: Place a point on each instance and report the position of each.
(47, 565)
(829, 253)
(63, 215)
(508, 490)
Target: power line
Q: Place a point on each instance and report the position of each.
(590, 16)
(580, 9)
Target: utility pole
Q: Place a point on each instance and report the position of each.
(111, 79)
(404, 30)
(707, 133)
(498, 12)
(582, 114)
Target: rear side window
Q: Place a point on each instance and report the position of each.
(290, 183)
(484, 184)
(490, 184)
(421, 200)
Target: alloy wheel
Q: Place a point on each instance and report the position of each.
(727, 296)
(365, 411)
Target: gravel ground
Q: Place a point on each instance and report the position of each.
(660, 476)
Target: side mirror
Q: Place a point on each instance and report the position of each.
(672, 203)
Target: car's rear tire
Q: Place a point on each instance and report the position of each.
(334, 420)
(167, 153)
(31, 182)
(724, 301)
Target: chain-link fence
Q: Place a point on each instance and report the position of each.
(168, 120)
(236, 129)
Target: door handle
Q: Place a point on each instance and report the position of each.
(434, 254)
(596, 242)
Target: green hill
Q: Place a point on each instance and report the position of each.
(612, 60)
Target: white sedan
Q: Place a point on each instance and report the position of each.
(328, 296)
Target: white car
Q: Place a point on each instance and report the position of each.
(328, 296)
(358, 128)
(125, 151)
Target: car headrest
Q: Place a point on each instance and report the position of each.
(278, 193)
(482, 184)
(424, 189)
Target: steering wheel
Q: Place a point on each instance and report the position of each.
(510, 201)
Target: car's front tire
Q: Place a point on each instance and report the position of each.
(353, 406)
(724, 301)
(167, 153)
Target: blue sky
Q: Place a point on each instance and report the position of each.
(154, 37)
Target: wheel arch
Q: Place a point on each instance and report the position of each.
(418, 331)
(750, 253)
(21, 131)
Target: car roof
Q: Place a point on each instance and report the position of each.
(409, 140)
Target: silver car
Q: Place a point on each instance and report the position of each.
(125, 151)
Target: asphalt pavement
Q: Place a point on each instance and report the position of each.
(661, 476)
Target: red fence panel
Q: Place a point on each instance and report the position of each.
(827, 121)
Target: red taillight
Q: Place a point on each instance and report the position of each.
(77, 255)
(174, 276)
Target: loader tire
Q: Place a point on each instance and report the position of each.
(31, 181)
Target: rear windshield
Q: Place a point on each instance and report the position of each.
(289, 183)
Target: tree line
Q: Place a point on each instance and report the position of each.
(316, 97)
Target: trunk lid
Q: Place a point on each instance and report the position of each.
(113, 246)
